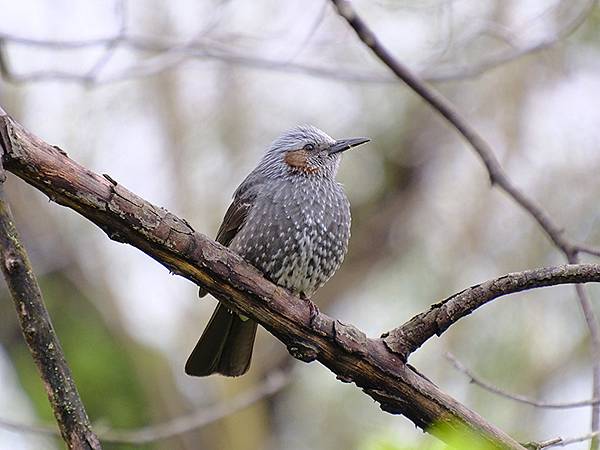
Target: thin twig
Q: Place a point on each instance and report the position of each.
(513, 53)
(590, 250)
(111, 46)
(39, 334)
(473, 378)
(592, 323)
(208, 51)
(575, 440)
(444, 107)
(271, 385)
(312, 29)
(560, 442)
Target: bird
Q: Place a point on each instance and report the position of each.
(290, 219)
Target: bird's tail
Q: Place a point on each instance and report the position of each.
(225, 347)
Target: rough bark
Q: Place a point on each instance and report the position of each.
(171, 241)
(39, 334)
(411, 335)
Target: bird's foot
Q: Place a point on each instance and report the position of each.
(314, 310)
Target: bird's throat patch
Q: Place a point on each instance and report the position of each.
(298, 160)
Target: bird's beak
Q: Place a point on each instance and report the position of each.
(346, 144)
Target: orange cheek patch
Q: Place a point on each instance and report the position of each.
(298, 159)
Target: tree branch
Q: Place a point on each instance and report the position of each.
(447, 110)
(171, 53)
(272, 384)
(171, 241)
(412, 334)
(506, 56)
(516, 397)
(39, 334)
(560, 442)
(497, 176)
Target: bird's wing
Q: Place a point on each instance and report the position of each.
(234, 219)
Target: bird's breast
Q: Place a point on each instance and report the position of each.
(297, 234)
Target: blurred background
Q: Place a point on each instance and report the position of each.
(177, 100)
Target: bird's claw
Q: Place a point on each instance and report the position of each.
(313, 309)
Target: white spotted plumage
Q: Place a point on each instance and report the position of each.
(290, 219)
(298, 226)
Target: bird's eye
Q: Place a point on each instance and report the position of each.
(309, 147)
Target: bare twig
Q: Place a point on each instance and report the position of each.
(312, 29)
(412, 334)
(539, 445)
(516, 397)
(112, 45)
(513, 53)
(592, 323)
(272, 384)
(575, 440)
(560, 442)
(209, 50)
(19, 427)
(497, 176)
(40, 337)
(582, 248)
(455, 118)
(169, 56)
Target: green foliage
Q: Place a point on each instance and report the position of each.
(457, 436)
(451, 436)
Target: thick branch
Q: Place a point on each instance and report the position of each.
(411, 335)
(43, 343)
(345, 350)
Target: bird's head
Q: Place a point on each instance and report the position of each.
(307, 151)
